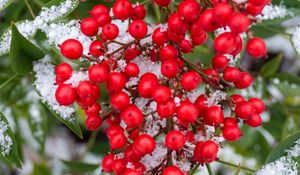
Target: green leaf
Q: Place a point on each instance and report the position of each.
(80, 167)
(280, 148)
(271, 67)
(22, 52)
(6, 4)
(10, 154)
(287, 3)
(291, 79)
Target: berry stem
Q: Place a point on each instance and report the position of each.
(236, 166)
(194, 170)
(210, 171)
(30, 9)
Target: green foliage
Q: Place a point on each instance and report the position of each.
(270, 68)
(6, 5)
(80, 167)
(22, 52)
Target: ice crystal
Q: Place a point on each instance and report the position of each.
(271, 12)
(6, 142)
(157, 156)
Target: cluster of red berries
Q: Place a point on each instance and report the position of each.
(179, 76)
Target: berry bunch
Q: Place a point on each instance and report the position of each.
(190, 130)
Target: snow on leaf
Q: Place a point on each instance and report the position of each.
(4, 4)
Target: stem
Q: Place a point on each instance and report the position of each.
(210, 172)
(30, 9)
(236, 166)
(195, 169)
(8, 81)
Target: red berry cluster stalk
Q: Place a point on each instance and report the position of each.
(187, 26)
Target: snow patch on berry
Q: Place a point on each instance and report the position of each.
(46, 87)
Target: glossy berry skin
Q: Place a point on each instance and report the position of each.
(222, 13)
(146, 86)
(175, 140)
(71, 49)
(186, 46)
(132, 70)
(172, 170)
(138, 12)
(187, 112)
(120, 101)
(107, 163)
(199, 39)
(220, 62)
(201, 103)
(96, 48)
(115, 82)
(244, 82)
(113, 130)
(190, 80)
(86, 89)
(102, 19)
(64, 71)
(130, 155)
(254, 10)
(213, 116)
(144, 144)
(258, 105)
(189, 10)
(236, 98)
(168, 52)
(110, 31)
(161, 94)
(206, 152)
(231, 133)
(258, 2)
(206, 21)
(65, 95)
(98, 73)
(254, 121)
(132, 172)
(239, 23)
(225, 43)
(122, 9)
(169, 68)
(176, 24)
(131, 53)
(166, 110)
(244, 110)
(256, 47)
(89, 27)
(117, 141)
(159, 37)
(138, 29)
(163, 3)
(98, 9)
(113, 120)
(118, 166)
(93, 110)
(228, 121)
(232, 74)
(132, 116)
(175, 37)
(93, 122)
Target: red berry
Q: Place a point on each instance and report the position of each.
(169, 68)
(120, 100)
(244, 82)
(110, 31)
(176, 24)
(258, 2)
(222, 12)
(189, 10)
(206, 21)
(159, 37)
(187, 112)
(256, 47)
(185, 45)
(113, 130)
(199, 39)
(195, 28)
(236, 98)
(225, 43)
(71, 49)
(146, 85)
(122, 9)
(201, 103)
(175, 140)
(144, 144)
(102, 19)
(131, 53)
(232, 74)
(138, 29)
(132, 116)
(89, 27)
(190, 80)
(107, 163)
(132, 172)
(93, 110)
(113, 120)
(85, 89)
(115, 82)
(65, 95)
(93, 122)
(163, 3)
(254, 121)
(239, 23)
(231, 133)
(206, 152)
(172, 170)
(118, 166)
(168, 52)
(161, 94)
(258, 105)
(98, 9)
(175, 37)
(139, 12)
(244, 110)
(130, 155)
(98, 73)
(220, 62)
(213, 116)
(64, 71)
(254, 10)
(230, 122)
(166, 110)
(132, 70)
(117, 141)
(96, 48)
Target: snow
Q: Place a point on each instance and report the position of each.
(3, 3)
(6, 142)
(77, 77)
(296, 39)
(45, 85)
(271, 12)
(157, 156)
